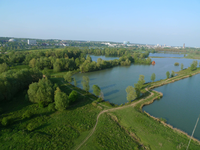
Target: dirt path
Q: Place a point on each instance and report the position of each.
(133, 104)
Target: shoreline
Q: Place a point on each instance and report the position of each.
(161, 95)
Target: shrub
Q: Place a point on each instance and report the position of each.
(94, 104)
(41, 104)
(5, 121)
(51, 107)
(27, 114)
(99, 100)
(61, 101)
(176, 64)
(73, 96)
(30, 127)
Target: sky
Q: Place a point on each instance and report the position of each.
(170, 22)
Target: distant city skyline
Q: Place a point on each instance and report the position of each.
(146, 22)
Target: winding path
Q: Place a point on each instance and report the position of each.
(133, 104)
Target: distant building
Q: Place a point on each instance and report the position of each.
(184, 45)
(11, 40)
(31, 42)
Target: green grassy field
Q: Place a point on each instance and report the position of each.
(50, 129)
(110, 136)
(153, 134)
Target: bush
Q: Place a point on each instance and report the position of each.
(30, 127)
(94, 104)
(73, 96)
(51, 107)
(27, 114)
(99, 100)
(5, 121)
(176, 64)
(41, 104)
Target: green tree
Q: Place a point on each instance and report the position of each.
(172, 74)
(32, 63)
(46, 73)
(131, 93)
(61, 101)
(73, 96)
(75, 83)
(3, 67)
(68, 76)
(41, 91)
(85, 83)
(56, 67)
(193, 65)
(181, 66)
(153, 77)
(167, 74)
(96, 90)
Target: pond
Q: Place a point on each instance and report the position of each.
(114, 81)
(95, 57)
(180, 104)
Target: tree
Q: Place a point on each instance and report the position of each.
(131, 93)
(138, 86)
(181, 66)
(46, 73)
(32, 63)
(153, 77)
(61, 101)
(73, 96)
(85, 83)
(41, 91)
(56, 67)
(3, 67)
(68, 76)
(167, 74)
(193, 65)
(172, 74)
(75, 83)
(96, 90)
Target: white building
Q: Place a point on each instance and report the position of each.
(11, 40)
(31, 42)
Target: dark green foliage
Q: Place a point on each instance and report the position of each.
(3, 67)
(11, 82)
(85, 83)
(46, 73)
(5, 121)
(138, 86)
(68, 76)
(172, 74)
(73, 96)
(26, 114)
(41, 104)
(96, 90)
(51, 107)
(193, 66)
(99, 100)
(31, 126)
(176, 64)
(41, 92)
(61, 101)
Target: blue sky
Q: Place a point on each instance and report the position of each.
(171, 22)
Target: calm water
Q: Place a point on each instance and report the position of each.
(180, 104)
(94, 57)
(166, 55)
(114, 81)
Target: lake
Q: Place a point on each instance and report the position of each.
(180, 104)
(165, 55)
(114, 81)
